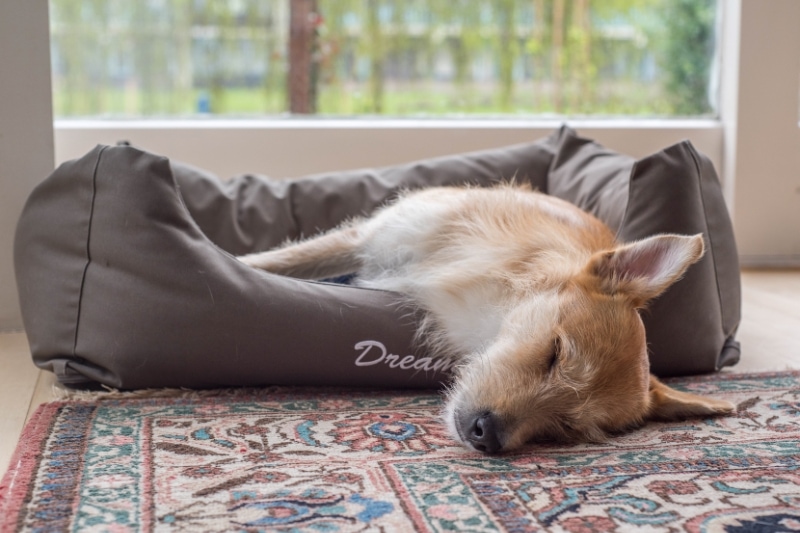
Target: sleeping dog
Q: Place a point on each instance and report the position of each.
(534, 299)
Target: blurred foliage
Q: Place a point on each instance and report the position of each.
(687, 53)
(385, 57)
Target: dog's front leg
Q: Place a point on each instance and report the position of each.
(328, 255)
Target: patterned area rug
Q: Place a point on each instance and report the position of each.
(322, 461)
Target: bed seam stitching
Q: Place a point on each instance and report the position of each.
(88, 250)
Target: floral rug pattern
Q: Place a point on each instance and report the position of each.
(329, 461)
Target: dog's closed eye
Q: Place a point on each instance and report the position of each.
(554, 355)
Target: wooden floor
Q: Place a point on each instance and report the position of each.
(769, 333)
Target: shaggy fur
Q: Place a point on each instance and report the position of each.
(534, 298)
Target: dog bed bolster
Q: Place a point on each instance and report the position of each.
(127, 277)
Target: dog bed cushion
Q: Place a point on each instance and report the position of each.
(126, 271)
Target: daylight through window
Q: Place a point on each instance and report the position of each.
(393, 58)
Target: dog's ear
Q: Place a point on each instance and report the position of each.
(644, 269)
(669, 404)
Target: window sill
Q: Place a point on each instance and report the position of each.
(285, 147)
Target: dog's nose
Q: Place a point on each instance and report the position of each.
(482, 432)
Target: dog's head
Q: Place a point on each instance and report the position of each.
(571, 362)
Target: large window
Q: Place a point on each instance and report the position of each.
(395, 58)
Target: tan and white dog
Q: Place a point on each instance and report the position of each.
(534, 298)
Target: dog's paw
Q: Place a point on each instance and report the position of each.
(722, 407)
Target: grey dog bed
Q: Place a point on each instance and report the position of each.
(126, 271)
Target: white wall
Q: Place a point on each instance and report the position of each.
(762, 135)
(26, 128)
